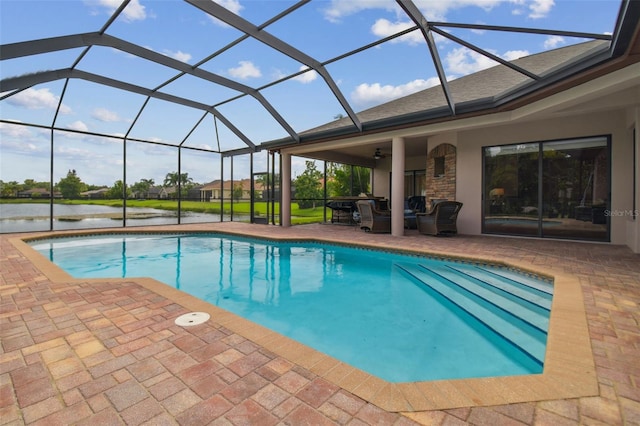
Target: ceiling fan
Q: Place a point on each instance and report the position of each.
(378, 154)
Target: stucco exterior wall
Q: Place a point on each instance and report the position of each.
(471, 142)
(381, 181)
(633, 224)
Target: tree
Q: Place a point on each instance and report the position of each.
(117, 190)
(71, 186)
(348, 180)
(141, 188)
(29, 184)
(237, 191)
(183, 179)
(267, 179)
(9, 189)
(308, 186)
(175, 178)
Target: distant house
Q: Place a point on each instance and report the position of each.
(95, 193)
(37, 193)
(225, 189)
(159, 193)
(195, 193)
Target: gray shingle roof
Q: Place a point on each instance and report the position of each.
(489, 85)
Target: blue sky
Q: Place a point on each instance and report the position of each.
(320, 29)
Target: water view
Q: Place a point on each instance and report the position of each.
(24, 217)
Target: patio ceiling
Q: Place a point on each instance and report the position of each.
(219, 111)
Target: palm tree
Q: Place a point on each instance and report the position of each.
(175, 178)
(182, 179)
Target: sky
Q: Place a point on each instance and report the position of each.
(320, 29)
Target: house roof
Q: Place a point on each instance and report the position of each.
(229, 185)
(481, 90)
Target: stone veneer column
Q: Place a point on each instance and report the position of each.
(444, 186)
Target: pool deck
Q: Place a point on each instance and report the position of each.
(108, 351)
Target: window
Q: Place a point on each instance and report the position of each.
(438, 166)
(414, 183)
(557, 189)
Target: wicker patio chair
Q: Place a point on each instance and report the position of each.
(441, 220)
(372, 220)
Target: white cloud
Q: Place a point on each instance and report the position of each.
(14, 131)
(233, 6)
(77, 125)
(384, 28)
(307, 77)
(341, 8)
(103, 114)
(376, 93)
(436, 10)
(246, 70)
(463, 61)
(179, 55)
(553, 41)
(133, 12)
(514, 54)
(38, 99)
(540, 8)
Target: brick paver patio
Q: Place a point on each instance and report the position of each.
(105, 352)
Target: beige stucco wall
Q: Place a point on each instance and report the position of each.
(470, 143)
(633, 226)
(381, 176)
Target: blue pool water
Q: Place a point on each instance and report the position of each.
(400, 317)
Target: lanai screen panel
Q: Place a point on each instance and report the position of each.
(313, 104)
(92, 157)
(30, 20)
(385, 78)
(332, 29)
(36, 63)
(25, 145)
(123, 66)
(204, 135)
(252, 63)
(165, 122)
(150, 161)
(96, 108)
(35, 105)
(260, 125)
(175, 29)
(200, 90)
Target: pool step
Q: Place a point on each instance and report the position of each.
(533, 285)
(530, 306)
(492, 310)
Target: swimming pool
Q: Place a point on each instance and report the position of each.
(394, 316)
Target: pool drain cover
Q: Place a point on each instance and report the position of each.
(192, 318)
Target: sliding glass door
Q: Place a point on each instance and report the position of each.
(511, 189)
(556, 189)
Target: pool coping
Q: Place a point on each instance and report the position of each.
(569, 368)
